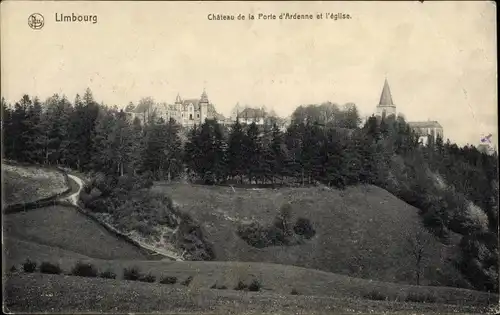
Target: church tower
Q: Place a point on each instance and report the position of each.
(203, 106)
(386, 105)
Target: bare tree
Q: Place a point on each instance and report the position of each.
(418, 245)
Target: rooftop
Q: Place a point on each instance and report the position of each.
(386, 97)
(424, 124)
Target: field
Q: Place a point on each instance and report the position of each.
(24, 184)
(361, 232)
(317, 290)
(75, 294)
(65, 227)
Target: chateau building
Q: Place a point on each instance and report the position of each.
(187, 112)
(426, 130)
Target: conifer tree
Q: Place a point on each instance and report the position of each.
(235, 153)
(252, 151)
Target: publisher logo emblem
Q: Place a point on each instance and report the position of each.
(35, 21)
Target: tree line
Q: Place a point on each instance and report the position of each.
(324, 144)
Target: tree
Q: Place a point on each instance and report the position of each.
(252, 152)
(275, 158)
(283, 220)
(146, 108)
(418, 247)
(235, 153)
(130, 107)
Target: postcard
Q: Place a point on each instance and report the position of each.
(249, 157)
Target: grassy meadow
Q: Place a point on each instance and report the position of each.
(362, 231)
(65, 227)
(24, 184)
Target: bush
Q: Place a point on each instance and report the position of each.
(254, 234)
(29, 266)
(241, 286)
(187, 281)
(215, 286)
(131, 274)
(13, 269)
(254, 285)
(84, 270)
(108, 274)
(375, 295)
(47, 267)
(294, 292)
(420, 297)
(168, 280)
(304, 227)
(147, 278)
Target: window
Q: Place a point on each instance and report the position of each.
(190, 116)
(197, 115)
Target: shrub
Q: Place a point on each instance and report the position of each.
(375, 295)
(108, 274)
(294, 292)
(131, 274)
(29, 266)
(254, 234)
(254, 285)
(168, 280)
(187, 281)
(147, 278)
(82, 269)
(420, 297)
(47, 267)
(215, 286)
(13, 269)
(304, 227)
(241, 286)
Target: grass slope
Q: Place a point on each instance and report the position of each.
(276, 279)
(23, 184)
(57, 293)
(66, 228)
(361, 231)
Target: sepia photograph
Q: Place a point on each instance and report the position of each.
(249, 157)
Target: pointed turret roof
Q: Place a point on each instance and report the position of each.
(386, 98)
(204, 96)
(178, 99)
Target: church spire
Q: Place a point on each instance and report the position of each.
(178, 99)
(386, 98)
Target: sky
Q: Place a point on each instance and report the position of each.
(438, 57)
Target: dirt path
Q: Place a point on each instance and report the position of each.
(73, 199)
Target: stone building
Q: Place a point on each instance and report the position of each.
(386, 106)
(426, 130)
(187, 112)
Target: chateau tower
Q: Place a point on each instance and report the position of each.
(203, 106)
(386, 105)
(178, 103)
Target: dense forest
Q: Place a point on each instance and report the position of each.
(455, 188)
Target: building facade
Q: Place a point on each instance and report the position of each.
(427, 130)
(186, 112)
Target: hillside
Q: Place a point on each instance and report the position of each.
(317, 292)
(361, 232)
(66, 228)
(24, 184)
